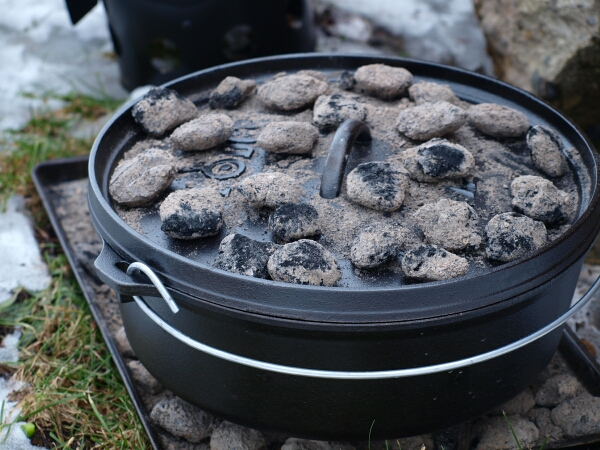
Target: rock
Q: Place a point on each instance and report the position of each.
(228, 436)
(140, 180)
(192, 213)
(296, 138)
(546, 150)
(270, 189)
(430, 92)
(332, 110)
(539, 199)
(551, 51)
(182, 419)
(438, 159)
(304, 262)
(431, 263)
(510, 236)
(493, 433)
(377, 185)
(579, 416)
(163, 109)
(305, 444)
(557, 389)
(203, 133)
(430, 120)
(294, 221)
(385, 82)
(123, 344)
(313, 73)
(498, 120)
(170, 442)
(245, 256)
(521, 404)
(143, 378)
(290, 92)
(424, 442)
(449, 224)
(543, 420)
(230, 93)
(346, 80)
(377, 245)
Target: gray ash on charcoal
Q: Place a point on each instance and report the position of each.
(498, 120)
(429, 92)
(245, 256)
(331, 110)
(203, 133)
(291, 92)
(290, 137)
(346, 80)
(510, 236)
(382, 81)
(431, 120)
(539, 199)
(192, 214)
(378, 245)
(270, 189)
(162, 109)
(546, 150)
(377, 185)
(231, 92)
(433, 263)
(294, 221)
(438, 159)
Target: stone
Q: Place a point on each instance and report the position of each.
(510, 236)
(123, 344)
(331, 110)
(270, 189)
(162, 109)
(192, 213)
(377, 185)
(203, 133)
(579, 416)
(143, 378)
(551, 50)
(449, 224)
(498, 121)
(140, 180)
(546, 150)
(432, 263)
(493, 433)
(382, 81)
(557, 389)
(245, 256)
(228, 436)
(521, 404)
(304, 262)
(294, 221)
(542, 418)
(182, 419)
(230, 92)
(377, 245)
(436, 160)
(430, 120)
(305, 444)
(430, 92)
(294, 138)
(291, 92)
(539, 199)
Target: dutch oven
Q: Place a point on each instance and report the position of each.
(334, 362)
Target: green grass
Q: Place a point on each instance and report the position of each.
(75, 396)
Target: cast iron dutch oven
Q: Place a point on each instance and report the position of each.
(330, 363)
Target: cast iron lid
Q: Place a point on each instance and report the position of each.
(357, 300)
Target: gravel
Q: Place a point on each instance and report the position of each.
(228, 436)
(182, 419)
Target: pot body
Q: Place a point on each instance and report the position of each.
(355, 328)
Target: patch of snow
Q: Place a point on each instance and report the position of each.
(9, 351)
(12, 437)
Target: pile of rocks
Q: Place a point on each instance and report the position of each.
(453, 149)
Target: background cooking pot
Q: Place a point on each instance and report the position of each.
(346, 330)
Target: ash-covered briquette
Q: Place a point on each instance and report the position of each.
(432, 263)
(436, 160)
(382, 81)
(230, 93)
(378, 245)
(539, 199)
(313, 73)
(192, 213)
(346, 80)
(429, 92)
(294, 221)
(291, 92)
(498, 120)
(270, 189)
(161, 144)
(510, 236)
(332, 110)
(304, 262)
(294, 138)
(242, 255)
(140, 180)
(162, 109)
(377, 185)
(546, 150)
(430, 120)
(203, 133)
(449, 224)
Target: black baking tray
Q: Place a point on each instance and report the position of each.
(52, 173)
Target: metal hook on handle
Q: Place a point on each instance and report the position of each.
(156, 282)
(335, 164)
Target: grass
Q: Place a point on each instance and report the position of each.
(75, 397)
